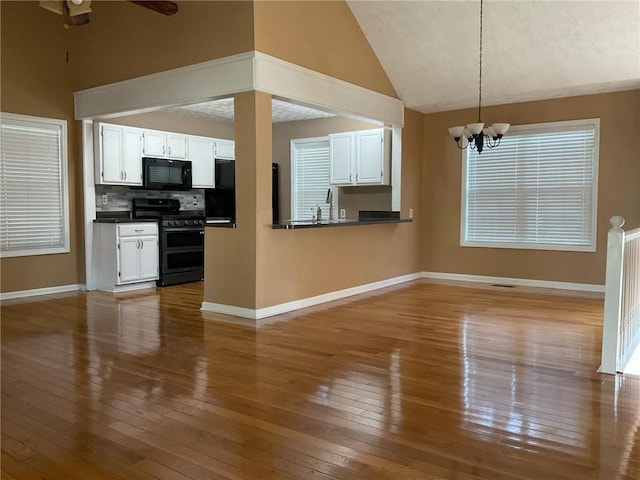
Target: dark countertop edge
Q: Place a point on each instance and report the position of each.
(124, 220)
(296, 225)
(221, 225)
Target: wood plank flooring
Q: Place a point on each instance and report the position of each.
(418, 381)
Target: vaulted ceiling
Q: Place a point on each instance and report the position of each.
(532, 49)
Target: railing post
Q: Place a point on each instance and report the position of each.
(612, 296)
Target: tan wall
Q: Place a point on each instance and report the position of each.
(231, 254)
(618, 189)
(297, 264)
(35, 81)
(320, 35)
(284, 132)
(125, 41)
(178, 123)
(122, 41)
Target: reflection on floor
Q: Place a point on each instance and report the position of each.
(633, 367)
(418, 381)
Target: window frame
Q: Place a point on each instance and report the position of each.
(537, 128)
(31, 120)
(294, 195)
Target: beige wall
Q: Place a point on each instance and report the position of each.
(36, 81)
(320, 35)
(618, 189)
(125, 41)
(284, 132)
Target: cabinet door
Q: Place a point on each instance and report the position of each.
(148, 258)
(369, 157)
(225, 149)
(132, 156)
(111, 153)
(340, 158)
(176, 146)
(128, 259)
(202, 162)
(153, 143)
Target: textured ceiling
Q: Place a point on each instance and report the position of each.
(532, 49)
(222, 110)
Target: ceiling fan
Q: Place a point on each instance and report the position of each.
(76, 12)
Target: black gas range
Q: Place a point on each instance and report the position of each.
(181, 239)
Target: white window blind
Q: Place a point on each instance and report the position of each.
(537, 189)
(33, 197)
(309, 176)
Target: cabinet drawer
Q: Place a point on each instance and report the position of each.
(137, 229)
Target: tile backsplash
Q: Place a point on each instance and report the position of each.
(120, 198)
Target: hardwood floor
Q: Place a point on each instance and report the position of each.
(418, 381)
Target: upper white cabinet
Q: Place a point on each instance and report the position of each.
(225, 149)
(201, 154)
(360, 158)
(164, 144)
(118, 154)
(341, 158)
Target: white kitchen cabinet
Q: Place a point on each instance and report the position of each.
(360, 158)
(164, 144)
(341, 158)
(118, 155)
(201, 154)
(126, 255)
(225, 149)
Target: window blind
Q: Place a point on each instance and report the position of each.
(32, 181)
(536, 190)
(310, 176)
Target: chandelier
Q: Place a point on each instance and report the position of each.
(475, 134)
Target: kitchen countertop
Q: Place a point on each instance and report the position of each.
(119, 216)
(297, 224)
(124, 220)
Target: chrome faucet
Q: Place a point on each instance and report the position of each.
(330, 202)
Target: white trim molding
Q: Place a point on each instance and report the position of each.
(41, 291)
(257, 314)
(520, 282)
(234, 74)
(292, 82)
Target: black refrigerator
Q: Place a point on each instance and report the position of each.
(220, 202)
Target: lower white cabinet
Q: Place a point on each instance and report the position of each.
(126, 254)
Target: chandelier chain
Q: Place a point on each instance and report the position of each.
(480, 69)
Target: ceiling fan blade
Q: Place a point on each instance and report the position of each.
(161, 6)
(79, 19)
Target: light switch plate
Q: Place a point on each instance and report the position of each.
(411, 213)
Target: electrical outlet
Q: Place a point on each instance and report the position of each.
(411, 213)
(105, 199)
(195, 200)
(343, 213)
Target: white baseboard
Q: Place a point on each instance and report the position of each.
(41, 291)
(257, 314)
(520, 282)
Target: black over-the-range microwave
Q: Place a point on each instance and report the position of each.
(165, 174)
